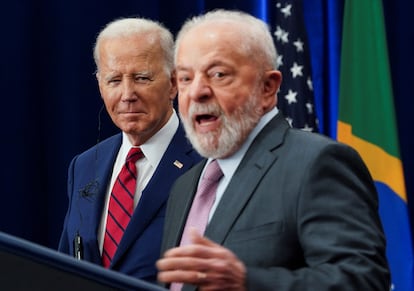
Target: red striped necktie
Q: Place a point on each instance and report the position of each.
(121, 206)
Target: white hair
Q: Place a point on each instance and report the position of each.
(257, 39)
(125, 27)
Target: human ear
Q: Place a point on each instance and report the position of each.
(98, 78)
(173, 89)
(271, 84)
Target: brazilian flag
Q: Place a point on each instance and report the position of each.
(367, 123)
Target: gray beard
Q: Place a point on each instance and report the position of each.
(229, 138)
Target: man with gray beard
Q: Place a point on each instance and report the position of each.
(290, 210)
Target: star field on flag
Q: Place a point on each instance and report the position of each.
(295, 97)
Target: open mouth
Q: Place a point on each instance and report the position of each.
(203, 118)
(205, 123)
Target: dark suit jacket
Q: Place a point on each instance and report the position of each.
(300, 212)
(89, 176)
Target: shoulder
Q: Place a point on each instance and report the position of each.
(181, 144)
(316, 152)
(316, 142)
(316, 149)
(107, 144)
(308, 138)
(102, 150)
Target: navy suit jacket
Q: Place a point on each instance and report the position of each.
(88, 178)
(301, 212)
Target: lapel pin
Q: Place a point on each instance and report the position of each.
(178, 164)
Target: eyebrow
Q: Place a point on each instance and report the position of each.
(111, 75)
(181, 68)
(208, 66)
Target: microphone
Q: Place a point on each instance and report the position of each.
(78, 247)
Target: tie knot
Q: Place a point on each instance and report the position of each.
(134, 155)
(213, 172)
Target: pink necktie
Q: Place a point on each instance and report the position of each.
(200, 209)
(121, 206)
(203, 201)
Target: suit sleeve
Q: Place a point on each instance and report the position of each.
(338, 229)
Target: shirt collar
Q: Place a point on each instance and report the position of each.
(230, 164)
(155, 147)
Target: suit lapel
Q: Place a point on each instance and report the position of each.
(182, 200)
(175, 161)
(93, 188)
(105, 163)
(258, 159)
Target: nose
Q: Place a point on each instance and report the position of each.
(128, 90)
(199, 89)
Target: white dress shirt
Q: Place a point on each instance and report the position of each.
(153, 151)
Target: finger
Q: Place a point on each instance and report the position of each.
(183, 276)
(209, 249)
(183, 263)
(226, 270)
(196, 238)
(193, 250)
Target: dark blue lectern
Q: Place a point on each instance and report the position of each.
(28, 266)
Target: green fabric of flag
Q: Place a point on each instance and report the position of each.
(367, 123)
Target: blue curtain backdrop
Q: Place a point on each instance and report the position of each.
(51, 102)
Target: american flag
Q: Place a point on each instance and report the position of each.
(295, 97)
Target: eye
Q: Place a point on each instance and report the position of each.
(183, 78)
(221, 75)
(142, 78)
(218, 75)
(114, 81)
(218, 72)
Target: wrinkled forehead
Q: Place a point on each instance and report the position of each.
(142, 41)
(132, 45)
